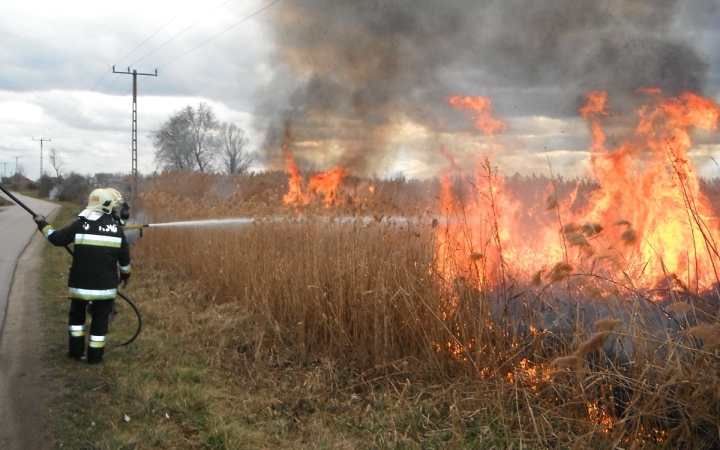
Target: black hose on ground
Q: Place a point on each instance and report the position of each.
(132, 305)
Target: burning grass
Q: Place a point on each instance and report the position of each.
(339, 331)
(576, 357)
(586, 311)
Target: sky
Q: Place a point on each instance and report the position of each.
(358, 83)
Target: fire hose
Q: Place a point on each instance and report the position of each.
(132, 305)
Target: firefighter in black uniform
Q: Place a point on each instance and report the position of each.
(100, 246)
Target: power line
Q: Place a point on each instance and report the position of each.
(61, 131)
(109, 72)
(149, 37)
(64, 130)
(41, 153)
(88, 120)
(78, 103)
(180, 33)
(220, 33)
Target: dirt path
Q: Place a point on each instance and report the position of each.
(24, 387)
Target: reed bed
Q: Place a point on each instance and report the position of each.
(571, 358)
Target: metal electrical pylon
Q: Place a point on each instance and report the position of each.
(41, 152)
(134, 73)
(16, 163)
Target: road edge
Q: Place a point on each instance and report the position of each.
(25, 388)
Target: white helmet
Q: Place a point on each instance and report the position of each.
(116, 195)
(101, 200)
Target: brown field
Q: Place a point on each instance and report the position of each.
(384, 293)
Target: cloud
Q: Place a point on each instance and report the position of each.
(95, 136)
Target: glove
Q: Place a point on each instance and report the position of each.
(125, 211)
(40, 221)
(124, 277)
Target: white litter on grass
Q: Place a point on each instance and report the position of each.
(127, 418)
(167, 416)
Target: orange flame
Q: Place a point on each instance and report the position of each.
(294, 195)
(647, 182)
(326, 183)
(648, 216)
(479, 108)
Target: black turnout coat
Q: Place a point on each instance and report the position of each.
(100, 246)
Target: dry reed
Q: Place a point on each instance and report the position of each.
(366, 294)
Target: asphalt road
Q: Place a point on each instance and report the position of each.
(16, 229)
(24, 387)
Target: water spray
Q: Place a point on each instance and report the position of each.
(132, 305)
(193, 223)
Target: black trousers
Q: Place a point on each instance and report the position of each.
(101, 310)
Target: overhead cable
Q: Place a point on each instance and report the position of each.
(182, 32)
(220, 33)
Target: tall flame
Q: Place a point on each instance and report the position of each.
(327, 183)
(648, 216)
(294, 195)
(648, 183)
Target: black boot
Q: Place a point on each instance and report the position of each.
(95, 354)
(76, 347)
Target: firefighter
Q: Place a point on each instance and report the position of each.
(100, 246)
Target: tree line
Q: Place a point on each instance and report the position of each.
(193, 139)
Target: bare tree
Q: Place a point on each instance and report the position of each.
(202, 126)
(21, 170)
(56, 161)
(233, 152)
(172, 144)
(186, 141)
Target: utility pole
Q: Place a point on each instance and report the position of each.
(4, 170)
(41, 152)
(134, 73)
(16, 163)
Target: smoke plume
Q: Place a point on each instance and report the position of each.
(356, 73)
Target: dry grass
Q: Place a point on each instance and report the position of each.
(330, 330)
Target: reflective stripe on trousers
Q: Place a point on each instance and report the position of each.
(96, 341)
(77, 330)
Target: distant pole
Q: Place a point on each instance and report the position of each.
(4, 170)
(41, 152)
(16, 163)
(134, 73)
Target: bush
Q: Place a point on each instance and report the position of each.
(44, 186)
(75, 188)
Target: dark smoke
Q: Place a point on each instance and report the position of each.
(354, 69)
